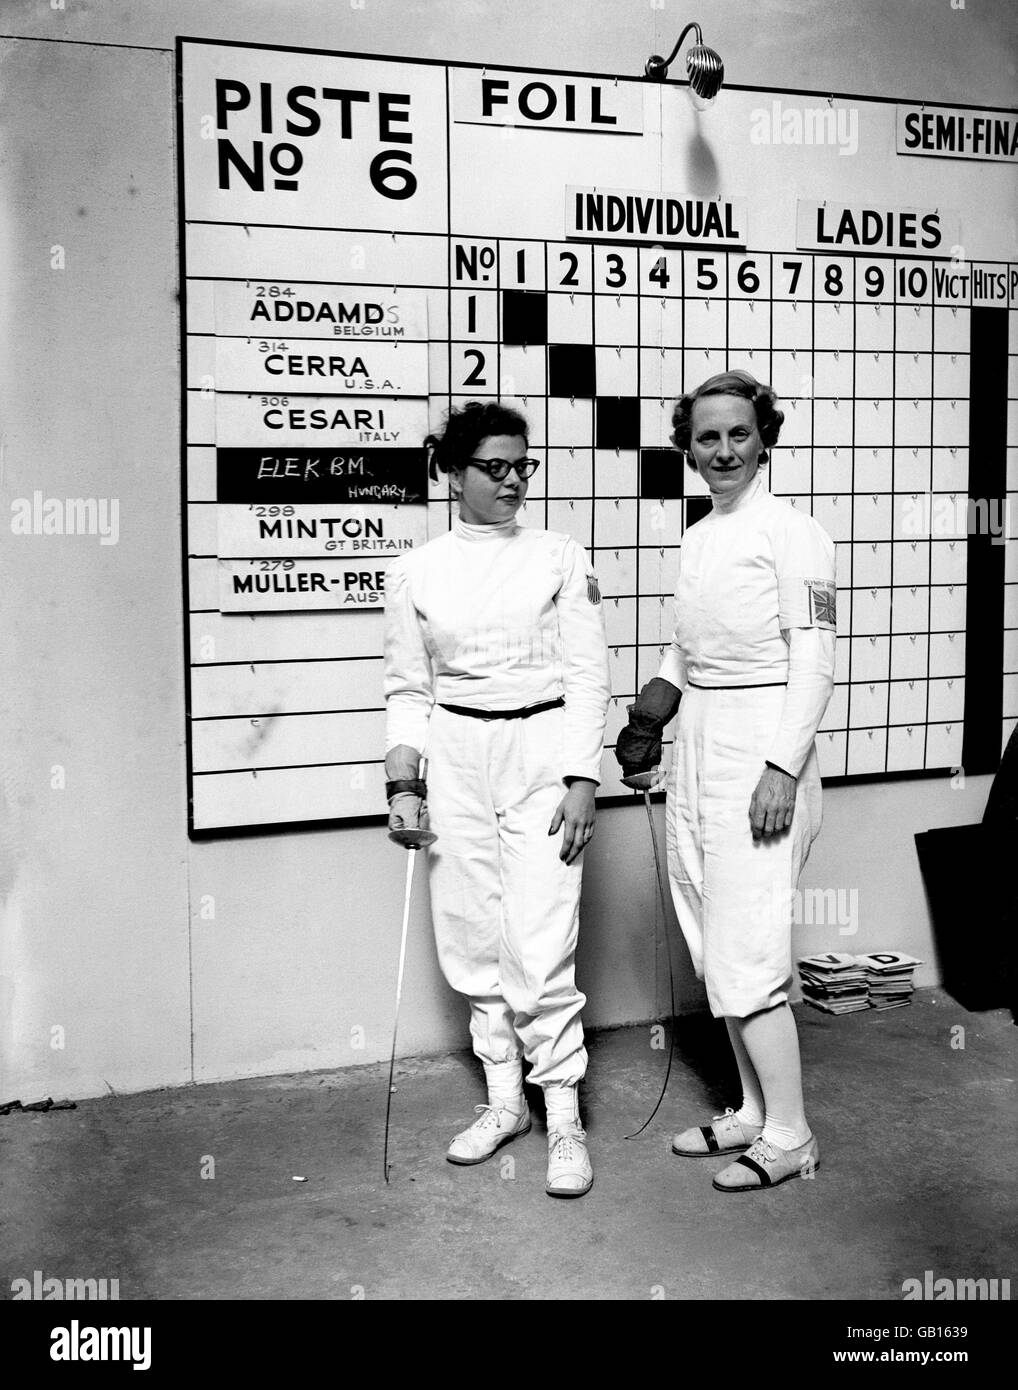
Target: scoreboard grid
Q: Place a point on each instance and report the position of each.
(593, 341)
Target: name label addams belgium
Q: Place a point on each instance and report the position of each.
(620, 214)
(250, 307)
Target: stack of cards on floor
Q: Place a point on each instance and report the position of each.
(834, 982)
(889, 978)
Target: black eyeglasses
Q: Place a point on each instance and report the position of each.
(497, 469)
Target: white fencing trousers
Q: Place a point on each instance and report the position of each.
(504, 905)
(733, 894)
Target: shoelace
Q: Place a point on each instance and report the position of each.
(729, 1114)
(563, 1149)
(488, 1115)
(762, 1149)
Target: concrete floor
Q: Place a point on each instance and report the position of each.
(917, 1173)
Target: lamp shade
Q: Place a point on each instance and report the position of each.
(706, 72)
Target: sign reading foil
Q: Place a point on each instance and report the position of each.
(313, 530)
(247, 308)
(324, 421)
(276, 586)
(368, 368)
(624, 215)
(296, 475)
(861, 227)
(945, 132)
(548, 101)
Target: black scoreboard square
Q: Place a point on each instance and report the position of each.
(571, 369)
(662, 474)
(524, 317)
(617, 422)
(696, 509)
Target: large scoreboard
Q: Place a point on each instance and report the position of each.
(367, 241)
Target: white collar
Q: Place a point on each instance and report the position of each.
(496, 530)
(745, 499)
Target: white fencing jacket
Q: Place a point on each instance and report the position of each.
(497, 617)
(755, 605)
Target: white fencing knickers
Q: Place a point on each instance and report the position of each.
(504, 905)
(733, 894)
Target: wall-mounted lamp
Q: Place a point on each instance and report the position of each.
(704, 68)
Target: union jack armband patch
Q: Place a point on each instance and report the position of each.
(822, 603)
(593, 592)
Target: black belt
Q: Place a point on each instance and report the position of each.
(760, 685)
(524, 713)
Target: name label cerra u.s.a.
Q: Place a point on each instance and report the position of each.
(292, 364)
(623, 214)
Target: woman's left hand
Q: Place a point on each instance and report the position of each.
(772, 805)
(576, 813)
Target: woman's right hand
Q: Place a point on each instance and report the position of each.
(772, 804)
(408, 812)
(408, 799)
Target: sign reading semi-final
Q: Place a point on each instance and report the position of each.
(945, 132)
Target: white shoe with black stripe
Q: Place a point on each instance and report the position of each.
(766, 1165)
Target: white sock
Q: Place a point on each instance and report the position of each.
(751, 1112)
(505, 1086)
(784, 1136)
(562, 1106)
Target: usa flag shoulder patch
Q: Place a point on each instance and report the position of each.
(593, 592)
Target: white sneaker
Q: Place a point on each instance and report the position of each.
(569, 1170)
(494, 1126)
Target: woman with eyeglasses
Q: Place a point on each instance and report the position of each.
(496, 667)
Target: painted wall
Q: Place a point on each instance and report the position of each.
(129, 957)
